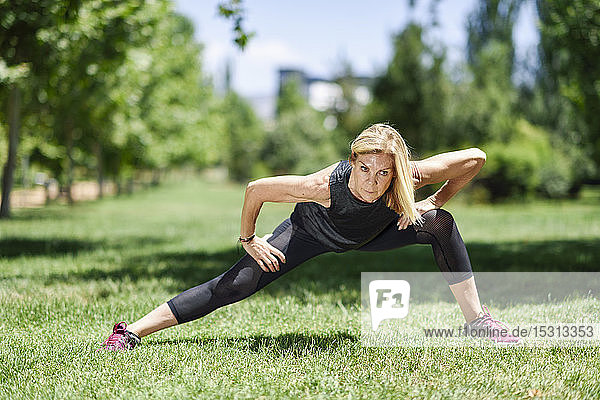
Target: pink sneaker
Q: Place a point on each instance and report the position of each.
(489, 328)
(121, 339)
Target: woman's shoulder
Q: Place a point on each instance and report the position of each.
(322, 179)
(327, 171)
(323, 176)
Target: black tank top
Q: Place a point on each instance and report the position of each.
(348, 223)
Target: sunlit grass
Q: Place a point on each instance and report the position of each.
(68, 274)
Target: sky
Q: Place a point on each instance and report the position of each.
(317, 35)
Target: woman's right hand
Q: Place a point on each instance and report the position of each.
(264, 253)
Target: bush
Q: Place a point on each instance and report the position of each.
(299, 144)
(528, 164)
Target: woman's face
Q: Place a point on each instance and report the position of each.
(371, 175)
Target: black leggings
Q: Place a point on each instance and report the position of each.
(245, 277)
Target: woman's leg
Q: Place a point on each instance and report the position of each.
(440, 231)
(243, 279)
(159, 318)
(466, 296)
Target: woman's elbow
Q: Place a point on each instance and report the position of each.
(478, 155)
(258, 190)
(252, 187)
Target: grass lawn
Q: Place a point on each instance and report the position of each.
(68, 274)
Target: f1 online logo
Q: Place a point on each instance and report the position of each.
(388, 299)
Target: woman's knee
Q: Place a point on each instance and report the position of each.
(438, 222)
(240, 281)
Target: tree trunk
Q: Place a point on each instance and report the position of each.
(155, 177)
(99, 169)
(129, 185)
(47, 192)
(25, 169)
(69, 140)
(14, 125)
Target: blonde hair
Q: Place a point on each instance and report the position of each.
(382, 138)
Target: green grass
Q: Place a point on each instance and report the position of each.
(68, 274)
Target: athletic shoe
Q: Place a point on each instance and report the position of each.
(121, 339)
(489, 328)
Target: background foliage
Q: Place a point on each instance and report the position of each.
(110, 89)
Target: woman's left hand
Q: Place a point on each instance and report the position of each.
(422, 207)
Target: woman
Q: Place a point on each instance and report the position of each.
(366, 204)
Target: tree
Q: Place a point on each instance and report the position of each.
(569, 53)
(482, 106)
(244, 135)
(412, 93)
(22, 54)
(492, 21)
(169, 115)
(299, 140)
(350, 111)
(79, 70)
(234, 10)
(126, 92)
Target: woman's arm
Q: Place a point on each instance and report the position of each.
(278, 189)
(457, 168)
(283, 189)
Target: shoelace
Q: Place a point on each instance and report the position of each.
(117, 340)
(493, 321)
(486, 322)
(487, 318)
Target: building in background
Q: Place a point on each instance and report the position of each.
(324, 95)
(327, 95)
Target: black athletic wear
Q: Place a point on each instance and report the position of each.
(313, 229)
(349, 222)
